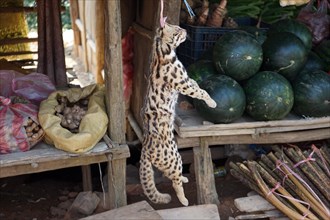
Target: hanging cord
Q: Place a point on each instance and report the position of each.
(162, 19)
(102, 185)
(190, 11)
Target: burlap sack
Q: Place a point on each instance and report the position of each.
(92, 127)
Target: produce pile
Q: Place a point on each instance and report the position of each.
(71, 114)
(223, 13)
(296, 182)
(266, 75)
(34, 132)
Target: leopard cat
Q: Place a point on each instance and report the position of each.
(168, 78)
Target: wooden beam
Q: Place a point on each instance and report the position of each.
(99, 41)
(206, 190)
(7, 41)
(74, 12)
(23, 61)
(115, 100)
(114, 72)
(82, 27)
(87, 177)
(143, 31)
(22, 9)
(271, 138)
(18, 53)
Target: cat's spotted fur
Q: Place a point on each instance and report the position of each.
(168, 78)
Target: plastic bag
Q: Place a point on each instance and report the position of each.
(92, 126)
(317, 21)
(6, 79)
(128, 69)
(34, 87)
(13, 119)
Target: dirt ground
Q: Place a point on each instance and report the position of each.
(45, 195)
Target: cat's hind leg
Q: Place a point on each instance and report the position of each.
(148, 182)
(177, 185)
(175, 174)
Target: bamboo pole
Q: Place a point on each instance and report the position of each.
(284, 192)
(246, 179)
(318, 207)
(271, 197)
(309, 172)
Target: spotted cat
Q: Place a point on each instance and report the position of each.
(168, 78)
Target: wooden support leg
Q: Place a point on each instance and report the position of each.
(206, 191)
(117, 183)
(87, 178)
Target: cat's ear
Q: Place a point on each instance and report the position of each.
(162, 21)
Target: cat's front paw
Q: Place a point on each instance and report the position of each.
(211, 103)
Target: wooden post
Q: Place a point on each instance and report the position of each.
(81, 20)
(113, 72)
(87, 178)
(99, 41)
(74, 12)
(206, 190)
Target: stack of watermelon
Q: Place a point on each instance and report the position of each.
(266, 79)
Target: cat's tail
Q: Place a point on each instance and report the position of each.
(148, 183)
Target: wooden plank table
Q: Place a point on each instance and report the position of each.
(193, 131)
(44, 157)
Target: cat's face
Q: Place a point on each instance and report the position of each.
(173, 34)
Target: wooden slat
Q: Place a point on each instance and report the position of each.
(23, 61)
(190, 124)
(81, 26)
(44, 152)
(22, 9)
(8, 41)
(74, 12)
(91, 44)
(17, 9)
(270, 138)
(135, 126)
(251, 131)
(99, 41)
(18, 53)
(45, 157)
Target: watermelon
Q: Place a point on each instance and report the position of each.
(314, 62)
(323, 51)
(284, 53)
(228, 95)
(269, 96)
(237, 54)
(312, 94)
(259, 33)
(201, 69)
(295, 27)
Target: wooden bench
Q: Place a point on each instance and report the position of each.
(44, 157)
